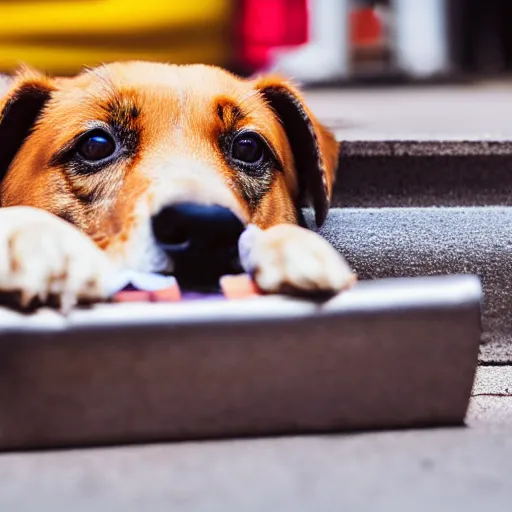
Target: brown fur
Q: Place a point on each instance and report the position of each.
(176, 116)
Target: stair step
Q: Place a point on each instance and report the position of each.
(402, 174)
(392, 242)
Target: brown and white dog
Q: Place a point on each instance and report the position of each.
(122, 165)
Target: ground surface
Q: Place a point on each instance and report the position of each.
(443, 113)
(467, 468)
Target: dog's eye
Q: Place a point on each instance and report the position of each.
(248, 148)
(96, 146)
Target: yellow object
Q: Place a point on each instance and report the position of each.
(63, 36)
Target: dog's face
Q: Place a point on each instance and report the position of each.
(111, 148)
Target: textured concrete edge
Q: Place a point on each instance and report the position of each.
(493, 381)
(416, 148)
(394, 242)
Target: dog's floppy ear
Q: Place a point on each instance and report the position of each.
(314, 147)
(19, 109)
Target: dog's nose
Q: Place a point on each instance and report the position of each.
(196, 224)
(202, 241)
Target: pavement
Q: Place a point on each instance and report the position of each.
(477, 112)
(466, 468)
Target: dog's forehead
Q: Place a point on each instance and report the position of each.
(163, 95)
(164, 80)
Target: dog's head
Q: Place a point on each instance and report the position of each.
(143, 156)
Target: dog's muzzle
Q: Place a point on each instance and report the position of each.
(201, 240)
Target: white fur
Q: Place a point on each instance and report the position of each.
(140, 251)
(42, 255)
(290, 257)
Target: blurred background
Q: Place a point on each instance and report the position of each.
(314, 41)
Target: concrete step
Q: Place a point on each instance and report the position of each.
(404, 241)
(424, 146)
(425, 187)
(424, 173)
(393, 242)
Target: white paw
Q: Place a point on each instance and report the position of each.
(43, 257)
(290, 259)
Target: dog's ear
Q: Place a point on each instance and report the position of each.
(314, 147)
(20, 107)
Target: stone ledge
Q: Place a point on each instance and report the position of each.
(394, 242)
(493, 381)
(423, 148)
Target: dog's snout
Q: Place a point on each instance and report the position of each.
(202, 240)
(195, 224)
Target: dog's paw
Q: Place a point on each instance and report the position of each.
(293, 260)
(45, 260)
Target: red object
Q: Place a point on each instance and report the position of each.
(365, 27)
(267, 24)
(238, 287)
(132, 296)
(171, 294)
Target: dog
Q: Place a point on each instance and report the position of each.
(161, 168)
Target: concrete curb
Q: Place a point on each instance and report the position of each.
(403, 242)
